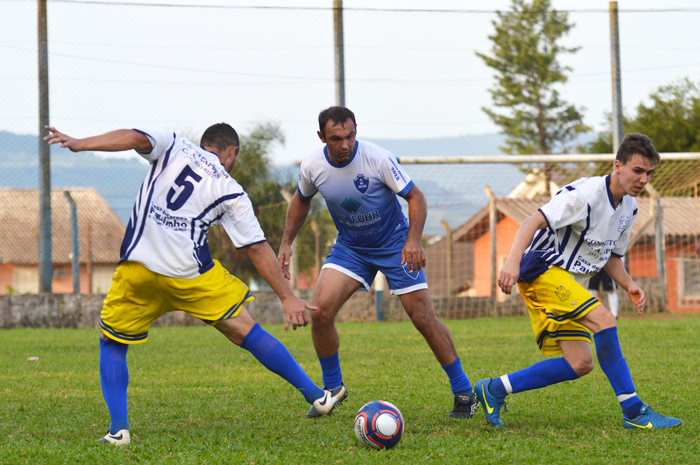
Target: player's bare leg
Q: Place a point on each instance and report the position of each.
(420, 309)
(332, 291)
(422, 314)
(579, 355)
(243, 331)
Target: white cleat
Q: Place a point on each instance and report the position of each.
(330, 399)
(122, 438)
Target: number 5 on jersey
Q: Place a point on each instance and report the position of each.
(187, 188)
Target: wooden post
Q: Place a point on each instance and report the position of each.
(339, 53)
(618, 131)
(45, 258)
(492, 233)
(448, 258)
(88, 257)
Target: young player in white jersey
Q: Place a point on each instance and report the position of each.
(584, 228)
(359, 182)
(165, 262)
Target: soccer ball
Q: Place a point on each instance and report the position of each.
(379, 425)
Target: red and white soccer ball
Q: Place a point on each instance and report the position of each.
(379, 425)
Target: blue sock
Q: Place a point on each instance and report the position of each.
(615, 367)
(332, 376)
(541, 374)
(275, 357)
(458, 380)
(114, 378)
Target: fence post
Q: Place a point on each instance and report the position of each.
(339, 53)
(75, 252)
(660, 248)
(618, 130)
(45, 259)
(293, 261)
(492, 233)
(448, 257)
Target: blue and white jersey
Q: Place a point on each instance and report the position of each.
(360, 193)
(583, 229)
(185, 192)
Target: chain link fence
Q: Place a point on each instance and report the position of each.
(411, 77)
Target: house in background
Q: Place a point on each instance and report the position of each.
(19, 241)
(681, 229)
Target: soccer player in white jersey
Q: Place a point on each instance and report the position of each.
(585, 227)
(165, 263)
(359, 182)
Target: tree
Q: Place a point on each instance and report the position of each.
(526, 57)
(672, 120)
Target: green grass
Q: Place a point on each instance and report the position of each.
(196, 398)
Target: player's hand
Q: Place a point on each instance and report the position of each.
(66, 141)
(295, 312)
(637, 297)
(413, 255)
(508, 276)
(284, 258)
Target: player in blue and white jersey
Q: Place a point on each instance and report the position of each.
(359, 182)
(165, 263)
(583, 229)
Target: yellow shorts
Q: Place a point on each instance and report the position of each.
(555, 301)
(138, 296)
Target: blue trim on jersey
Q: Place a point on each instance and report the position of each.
(217, 202)
(562, 333)
(610, 196)
(128, 337)
(617, 255)
(246, 246)
(203, 257)
(406, 189)
(303, 196)
(574, 313)
(148, 201)
(352, 157)
(581, 239)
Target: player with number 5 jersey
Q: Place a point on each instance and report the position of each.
(165, 263)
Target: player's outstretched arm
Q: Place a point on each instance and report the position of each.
(615, 268)
(114, 141)
(263, 257)
(296, 215)
(510, 272)
(413, 254)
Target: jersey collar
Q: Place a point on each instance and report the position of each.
(352, 157)
(610, 196)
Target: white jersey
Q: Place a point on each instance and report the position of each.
(186, 191)
(360, 193)
(583, 229)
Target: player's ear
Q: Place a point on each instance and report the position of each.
(320, 136)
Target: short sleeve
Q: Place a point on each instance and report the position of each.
(394, 176)
(566, 208)
(160, 140)
(240, 222)
(306, 188)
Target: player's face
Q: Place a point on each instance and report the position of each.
(635, 174)
(340, 140)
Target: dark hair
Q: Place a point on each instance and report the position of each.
(339, 115)
(635, 143)
(220, 136)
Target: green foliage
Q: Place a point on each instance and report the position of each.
(525, 54)
(252, 172)
(196, 398)
(672, 120)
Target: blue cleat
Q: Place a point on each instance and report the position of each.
(490, 403)
(648, 419)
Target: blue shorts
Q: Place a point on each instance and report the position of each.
(362, 264)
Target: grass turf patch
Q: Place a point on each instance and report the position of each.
(196, 398)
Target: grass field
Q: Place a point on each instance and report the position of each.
(196, 398)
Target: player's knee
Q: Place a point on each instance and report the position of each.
(324, 315)
(582, 366)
